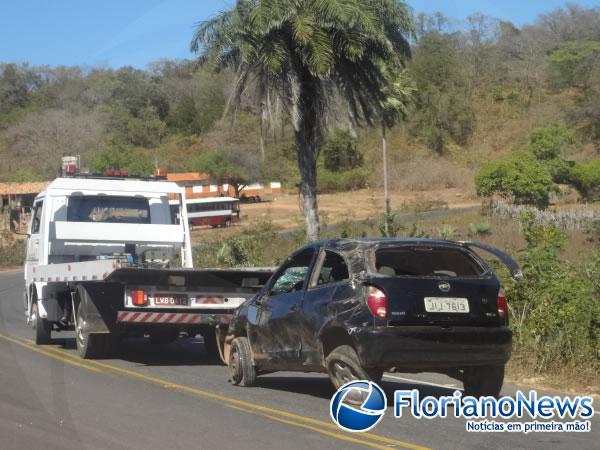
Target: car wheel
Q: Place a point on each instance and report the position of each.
(163, 337)
(344, 366)
(89, 345)
(241, 370)
(42, 327)
(483, 381)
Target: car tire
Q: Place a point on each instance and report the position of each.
(343, 366)
(483, 381)
(163, 337)
(241, 370)
(42, 327)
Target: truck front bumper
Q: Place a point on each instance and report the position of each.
(420, 348)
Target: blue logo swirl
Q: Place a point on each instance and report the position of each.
(358, 406)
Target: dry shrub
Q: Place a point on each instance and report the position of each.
(426, 173)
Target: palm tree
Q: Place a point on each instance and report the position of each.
(307, 53)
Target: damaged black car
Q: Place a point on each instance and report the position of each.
(356, 308)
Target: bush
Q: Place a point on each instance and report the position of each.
(548, 143)
(389, 221)
(479, 229)
(349, 180)
(447, 232)
(559, 169)
(586, 179)
(258, 245)
(12, 254)
(340, 152)
(555, 310)
(521, 178)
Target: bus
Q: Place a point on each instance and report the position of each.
(211, 211)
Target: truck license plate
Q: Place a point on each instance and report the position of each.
(446, 305)
(171, 300)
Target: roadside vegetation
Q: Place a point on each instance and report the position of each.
(12, 248)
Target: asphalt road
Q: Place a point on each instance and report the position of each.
(159, 397)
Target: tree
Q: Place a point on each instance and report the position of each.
(119, 157)
(16, 82)
(340, 152)
(231, 167)
(41, 138)
(305, 52)
(521, 178)
(576, 61)
(444, 113)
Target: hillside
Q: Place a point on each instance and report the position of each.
(482, 86)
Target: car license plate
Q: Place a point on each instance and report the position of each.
(170, 300)
(446, 305)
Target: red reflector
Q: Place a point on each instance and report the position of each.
(377, 302)
(502, 306)
(139, 298)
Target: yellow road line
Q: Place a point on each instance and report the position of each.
(343, 437)
(51, 355)
(230, 401)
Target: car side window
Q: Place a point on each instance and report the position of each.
(37, 218)
(332, 270)
(293, 274)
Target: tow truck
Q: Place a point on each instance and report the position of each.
(108, 257)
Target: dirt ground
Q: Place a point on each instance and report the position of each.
(284, 211)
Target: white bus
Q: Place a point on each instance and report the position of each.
(212, 211)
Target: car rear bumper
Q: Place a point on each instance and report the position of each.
(432, 347)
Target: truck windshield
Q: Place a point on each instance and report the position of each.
(425, 261)
(108, 209)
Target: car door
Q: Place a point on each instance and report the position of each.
(330, 280)
(275, 335)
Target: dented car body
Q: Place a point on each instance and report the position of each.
(355, 308)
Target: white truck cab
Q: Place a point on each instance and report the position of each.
(110, 257)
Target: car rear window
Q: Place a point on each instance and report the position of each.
(108, 209)
(426, 261)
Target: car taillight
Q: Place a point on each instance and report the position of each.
(501, 304)
(139, 298)
(377, 302)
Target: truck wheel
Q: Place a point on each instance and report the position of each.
(89, 345)
(42, 327)
(227, 223)
(343, 366)
(241, 370)
(483, 381)
(159, 337)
